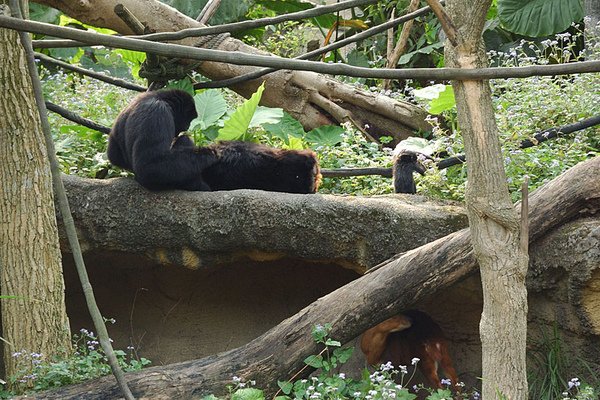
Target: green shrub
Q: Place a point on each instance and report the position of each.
(88, 361)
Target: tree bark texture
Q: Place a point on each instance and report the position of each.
(494, 224)
(311, 98)
(402, 282)
(30, 258)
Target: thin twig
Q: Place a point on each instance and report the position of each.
(239, 58)
(68, 222)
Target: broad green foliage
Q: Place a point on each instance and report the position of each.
(237, 125)
(211, 106)
(183, 84)
(537, 18)
(440, 97)
(41, 13)
(418, 145)
(252, 122)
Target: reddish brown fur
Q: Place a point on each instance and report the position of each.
(373, 341)
(406, 336)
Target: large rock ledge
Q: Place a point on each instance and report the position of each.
(205, 229)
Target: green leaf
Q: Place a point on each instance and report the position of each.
(537, 18)
(237, 125)
(314, 361)
(440, 394)
(38, 12)
(285, 386)
(210, 106)
(423, 50)
(266, 115)
(325, 135)
(294, 143)
(289, 6)
(343, 355)
(331, 342)
(441, 97)
(418, 145)
(184, 84)
(444, 101)
(287, 127)
(358, 59)
(248, 394)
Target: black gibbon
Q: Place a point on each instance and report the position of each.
(145, 140)
(405, 163)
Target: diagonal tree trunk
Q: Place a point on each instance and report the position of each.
(313, 99)
(30, 258)
(399, 284)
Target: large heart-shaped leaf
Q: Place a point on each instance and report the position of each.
(537, 18)
(237, 125)
(210, 106)
(328, 135)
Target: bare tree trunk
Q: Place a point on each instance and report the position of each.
(311, 98)
(396, 286)
(30, 257)
(494, 224)
(592, 27)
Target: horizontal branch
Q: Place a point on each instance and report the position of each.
(239, 58)
(57, 44)
(348, 172)
(71, 116)
(92, 74)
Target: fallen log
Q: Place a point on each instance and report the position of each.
(351, 309)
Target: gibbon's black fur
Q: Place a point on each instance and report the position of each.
(405, 163)
(246, 165)
(145, 139)
(141, 141)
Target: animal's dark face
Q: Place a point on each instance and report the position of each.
(410, 160)
(182, 105)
